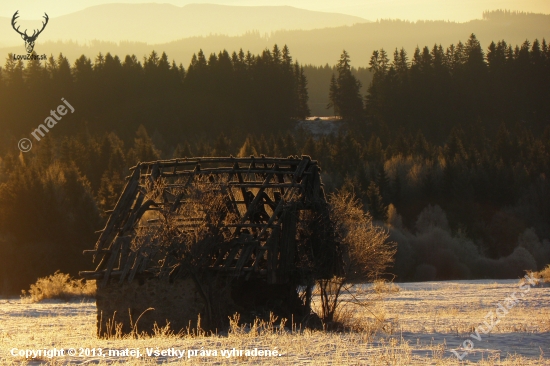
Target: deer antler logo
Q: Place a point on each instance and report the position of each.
(29, 40)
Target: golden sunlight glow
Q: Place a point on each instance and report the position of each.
(455, 10)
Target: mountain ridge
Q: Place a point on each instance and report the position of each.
(162, 23)
(320, 46)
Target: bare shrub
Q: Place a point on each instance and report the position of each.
(366, 253)
(358, 308)
(59, 286)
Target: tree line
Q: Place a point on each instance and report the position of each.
(464, 201)
(437, 89)
(219, 92)
(52, 202)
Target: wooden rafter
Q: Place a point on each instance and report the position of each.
(263, 193)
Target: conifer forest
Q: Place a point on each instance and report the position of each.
(446, 146)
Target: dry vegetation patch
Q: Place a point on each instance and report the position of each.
(59, 286)
(544, 275)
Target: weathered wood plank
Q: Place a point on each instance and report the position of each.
(124, 251)
(253, 205)
(243, 190)
(248, 270)
(137, 261)
(147, 256)
(231, 256)
(112, 260)
(136, 215)
(245, 253)
(93, 275)
(263, 185)
(221, 256)
(127, 266)
(316, 184)
(93, 251)
(253, 225)
(260, 252)
(119, 212)
(302, 166)
(211, 160)
(221, 171)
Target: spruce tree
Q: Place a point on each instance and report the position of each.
(309, 147)
(377, 208)
(344, 91)
(143, 149)
(221, 146)
(383, 182)
(333, 96)
(182, 151)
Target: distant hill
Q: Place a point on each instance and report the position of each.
(321, 46)
(161, 23)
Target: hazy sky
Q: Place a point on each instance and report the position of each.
(457, 10)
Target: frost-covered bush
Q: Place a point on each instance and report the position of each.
(540, 251)
(518, 262)
(512, 266)
(439, 249)
(432, 217)
(435, 253)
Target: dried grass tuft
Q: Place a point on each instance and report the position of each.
(382, 286)
(544, 275)
(59, 286)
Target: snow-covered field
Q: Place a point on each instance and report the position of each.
(419, 325)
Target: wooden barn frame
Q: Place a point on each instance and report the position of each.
(279, 232)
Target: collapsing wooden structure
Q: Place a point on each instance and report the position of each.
(231, 233)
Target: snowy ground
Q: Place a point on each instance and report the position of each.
(422, 324)
(450, 312)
